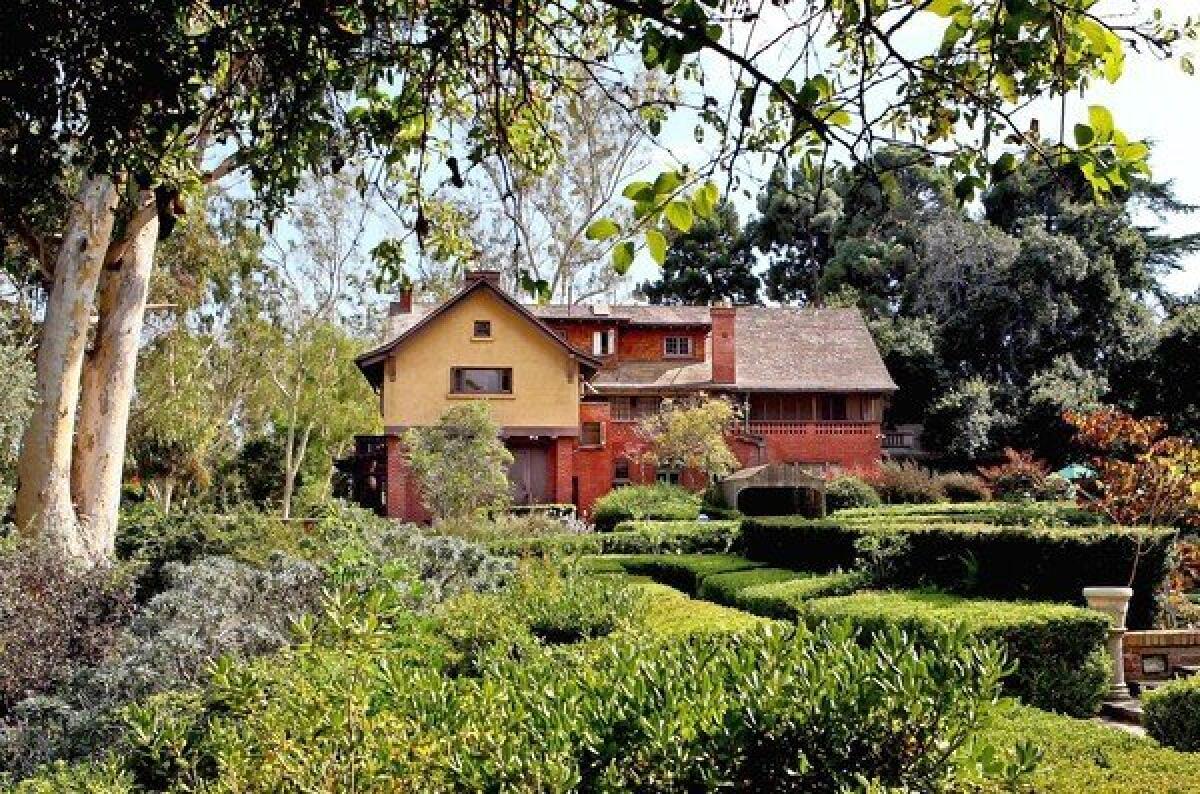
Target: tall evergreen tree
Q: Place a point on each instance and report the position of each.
(710, 262)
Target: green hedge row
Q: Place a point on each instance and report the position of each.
(1172, 714)
(1083, 756)
(1058, 650)
(982, 560)
(631, 537)
(732, 580)
(1001, 513)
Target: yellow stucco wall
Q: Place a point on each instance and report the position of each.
(545, 381)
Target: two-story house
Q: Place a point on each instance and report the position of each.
(568, 384)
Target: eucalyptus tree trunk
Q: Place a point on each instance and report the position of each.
(107, 386)
(43, 505)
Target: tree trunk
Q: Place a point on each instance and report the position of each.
(107, 389)
(43, 506)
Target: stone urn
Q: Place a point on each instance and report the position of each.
(1114, 602)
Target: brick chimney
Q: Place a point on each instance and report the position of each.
(401, 304)
(724, 348)
(490, 276)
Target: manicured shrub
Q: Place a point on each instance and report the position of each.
(981, 560)
(1058, 650)
(636, 502)
(961, 487)
(725, 587)
(848, 491)
(632, 537)
(786, 599)
(685, 571)
(1172, 714)
(1084, 756)
(630, 714)
(904, 483)
(1043, 514)
(56, 617)
(666, 612)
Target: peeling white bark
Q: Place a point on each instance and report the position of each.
(107, 386)
(43, 506)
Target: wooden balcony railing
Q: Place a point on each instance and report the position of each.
(791, 427)
(898, 441)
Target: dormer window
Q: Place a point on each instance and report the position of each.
(604, 343)
(482, 329)
(678, 347)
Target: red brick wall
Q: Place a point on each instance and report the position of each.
(561, 461)
(647, 344)
(724, 355)
(403, 494)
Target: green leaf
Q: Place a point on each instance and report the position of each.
(622, 257)
(602, 229)
(1005, 165)
(638, 191)
(1188, 66)
(705, 200)
(1102, 121)
(667, 182)
(680, 215)
(657, 243)
(943, 8)
(1084, 135)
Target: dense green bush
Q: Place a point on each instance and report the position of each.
(904, 483)
(983, 560)
(1172, 714)
(1058, 650)
(632, 537)
(666, 612)
(636, 502)
(960, 487)
(1083, 756)
(630, 714)
(848, 491)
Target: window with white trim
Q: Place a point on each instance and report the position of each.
(604, 343)
(678, 346)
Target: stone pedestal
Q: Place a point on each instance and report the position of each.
(1114, 602)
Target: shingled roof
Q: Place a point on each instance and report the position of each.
(782, 348)
(777, 348)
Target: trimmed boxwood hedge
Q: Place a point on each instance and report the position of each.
(1000, 513)
(1058, 650)
(684, 571)
(631, 537)
(1083, 756)
(983, 560)
(787, 599)
(1172, 714)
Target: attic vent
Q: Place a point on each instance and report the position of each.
(600, 309)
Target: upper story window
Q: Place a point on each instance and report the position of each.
(620, 471)
(604, 343)
(831, 407)
(482, 329)
(678, 346)
(478, 380)
(591, 434)
(627, 408)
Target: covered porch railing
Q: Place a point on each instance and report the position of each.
(796, 427)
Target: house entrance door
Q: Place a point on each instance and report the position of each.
(529, 475)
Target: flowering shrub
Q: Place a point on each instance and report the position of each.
(960, 487)
(904, 483)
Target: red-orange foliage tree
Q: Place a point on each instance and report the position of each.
(1143, 475)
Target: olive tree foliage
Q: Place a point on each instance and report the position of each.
(460, 463)
(691, 435)
(117, 111)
